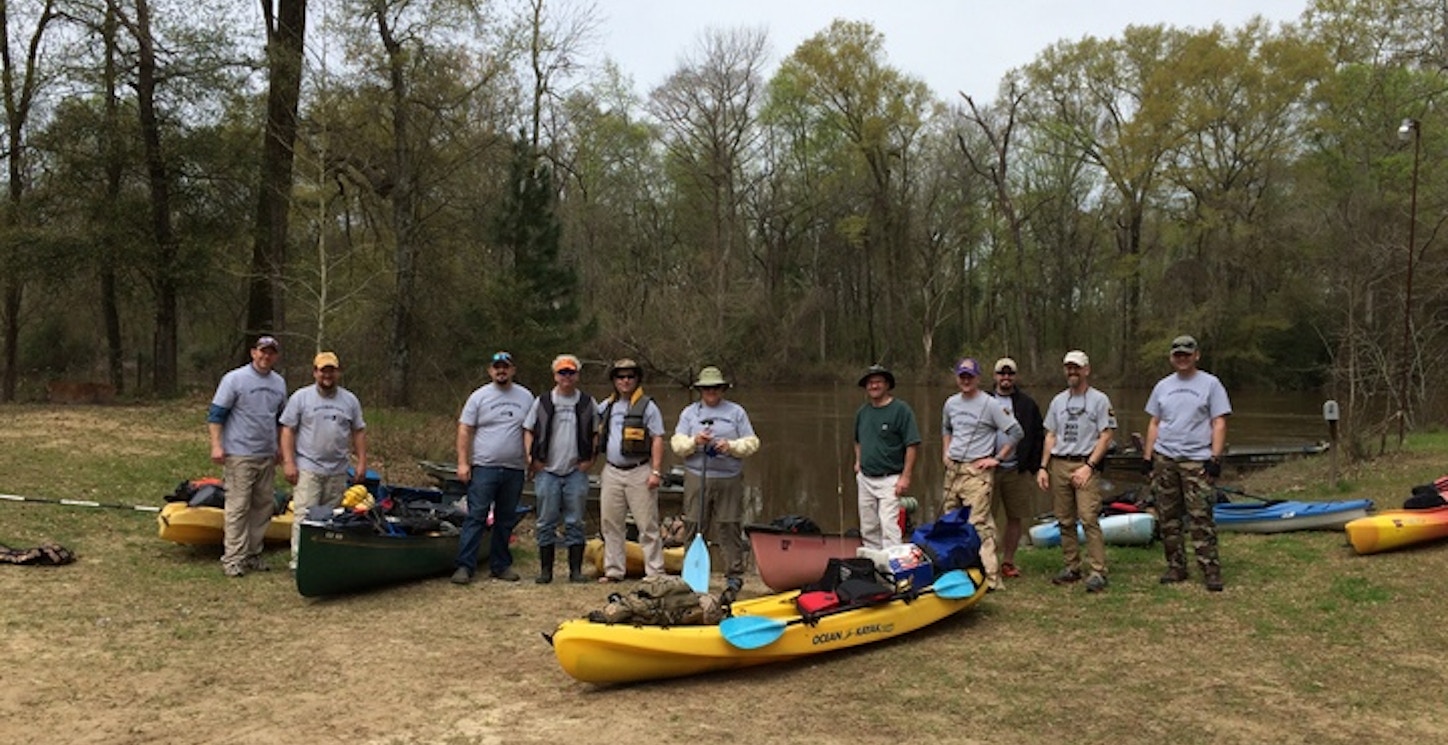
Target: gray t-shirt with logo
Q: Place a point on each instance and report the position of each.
(324, 426)
(1078, 421)
(254, 401)
(563, 453)
(974, 424)
(496, 415)
(1186, 407)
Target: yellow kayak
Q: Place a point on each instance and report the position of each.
(1393, 529)
(623, 653)
(206, 526)
(633, 558)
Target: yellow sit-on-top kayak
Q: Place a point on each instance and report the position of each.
(633, 558)
(761, 630)
(206, 526)
(1392, 529)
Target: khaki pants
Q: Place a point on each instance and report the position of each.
(313, 489)
(723, 517)
(250, 486)
(879, 510)
(968, 486)
(621, 493)
(1073, 505)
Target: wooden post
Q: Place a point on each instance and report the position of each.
(1330, 415)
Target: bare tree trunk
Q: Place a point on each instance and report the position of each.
(286, 23)
(404, 221)
(110, 306)
(165, 281)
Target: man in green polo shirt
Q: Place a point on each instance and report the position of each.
(887, 441)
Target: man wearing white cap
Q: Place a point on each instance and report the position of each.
(1015, 480)
(242, 424)
(1079, 426)
(321, 425)
(1184, 445)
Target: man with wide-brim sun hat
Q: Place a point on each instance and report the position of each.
(631, 439)
(713, 437)
(887, 443)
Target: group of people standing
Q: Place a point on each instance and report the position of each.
(998, 447)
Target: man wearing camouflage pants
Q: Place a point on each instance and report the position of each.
(1184, 446)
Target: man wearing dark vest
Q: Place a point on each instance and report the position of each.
(558, 434)
(631, 434)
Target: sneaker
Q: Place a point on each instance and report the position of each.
(1096, 582)
(257, 564)
(1066, 577)
(1009, 570)
(507, 575)
(462, 576)
(233, 570)
(1174, 575)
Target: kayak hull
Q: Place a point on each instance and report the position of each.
(1394, 529)
(1281, 517)
(621, 653)
(633, 558)
(181, 523)
(1133, 529)
(789, 561)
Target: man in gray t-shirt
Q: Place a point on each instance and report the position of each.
(492, 462)
(558, 435)
(321, 426)
(1184, 445)
(242, 425)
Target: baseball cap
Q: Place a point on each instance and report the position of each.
(968, 366)
(565, 362)
(502, 358)
(624, 364)
(1076, 357)
(267, 341)
(1006, 363)
(1183, 343)
(325, 359)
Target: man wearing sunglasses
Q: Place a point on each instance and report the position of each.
(558, 435)
(1184, 445)
(1016, 490)
(492, 462)
(631, 439)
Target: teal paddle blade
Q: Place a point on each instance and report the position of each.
(696, 565)
(954, 585)
(751, 632)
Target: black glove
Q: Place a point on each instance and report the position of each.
(1213, 468)
(1146, 466)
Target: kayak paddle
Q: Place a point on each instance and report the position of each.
(753, 632)
(696, 559)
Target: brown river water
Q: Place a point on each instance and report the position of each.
(804, 464)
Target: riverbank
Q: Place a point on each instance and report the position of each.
(141, 641)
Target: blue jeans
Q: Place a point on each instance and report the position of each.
(560, 493)
(498, 488)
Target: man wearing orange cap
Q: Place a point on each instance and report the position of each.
(558, 435)
(321, 425)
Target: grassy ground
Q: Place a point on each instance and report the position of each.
(142, 641)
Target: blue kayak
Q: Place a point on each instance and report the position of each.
(1280, 517)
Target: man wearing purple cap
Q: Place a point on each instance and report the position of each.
(978, 435)
(242, 424)
(492, 462)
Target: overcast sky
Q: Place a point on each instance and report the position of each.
(953, 45)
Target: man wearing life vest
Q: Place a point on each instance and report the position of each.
(631, 439)
(558, 435)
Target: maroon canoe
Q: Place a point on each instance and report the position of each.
(788, 561)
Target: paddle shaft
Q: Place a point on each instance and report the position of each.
(80, 503)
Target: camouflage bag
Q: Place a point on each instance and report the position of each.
(661, 601)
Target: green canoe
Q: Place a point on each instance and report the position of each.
(332, 561)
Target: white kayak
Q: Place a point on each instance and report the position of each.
(1130, 529)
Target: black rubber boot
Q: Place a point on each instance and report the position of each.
(545, 558)
(575, 564)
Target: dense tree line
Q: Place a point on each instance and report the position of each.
(417, 183)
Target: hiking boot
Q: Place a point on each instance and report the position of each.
(233, 570)
(575, 565)
(507, 575)
(1174, 575)
(1066, 577)
(545, 560)
(1213, 579)
(1009, 570)
(257, 564)
(733, 584)
(1096, 582)
(462, 576)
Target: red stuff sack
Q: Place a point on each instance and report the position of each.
(810, 603)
